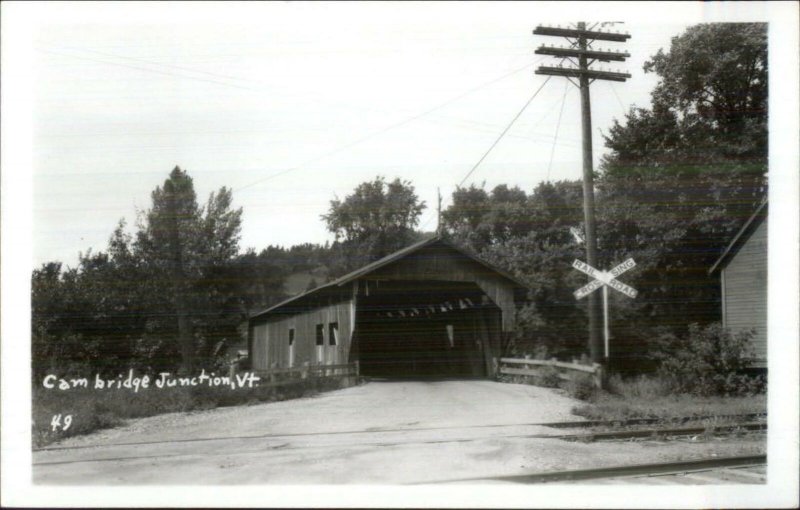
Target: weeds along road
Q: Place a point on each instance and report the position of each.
(388, 432)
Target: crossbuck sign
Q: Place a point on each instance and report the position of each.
(604, 278)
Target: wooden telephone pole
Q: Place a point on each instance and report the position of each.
(438, 212)
(581, 55)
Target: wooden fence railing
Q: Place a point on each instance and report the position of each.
(566, 371)
(283, 375)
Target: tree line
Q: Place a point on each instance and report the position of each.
(681, 176)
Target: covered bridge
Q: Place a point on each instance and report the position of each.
(430, 309)
(743, 279)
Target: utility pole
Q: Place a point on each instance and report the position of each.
(581, 55)
(438, 212)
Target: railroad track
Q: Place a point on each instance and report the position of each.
(655, 421)
(751, 469)
(662, 433)
(622, 430)
(659, 434)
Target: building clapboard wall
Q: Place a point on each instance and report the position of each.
(395, 311)
(743, 280)
(271, 347)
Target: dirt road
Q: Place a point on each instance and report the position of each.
(388, 432)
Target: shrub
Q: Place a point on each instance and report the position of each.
(548, 377)
(643, 386)
(709, 361)
(581, 387)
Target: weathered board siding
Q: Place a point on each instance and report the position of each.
(433, 263)
(744, 290)
(271, 339)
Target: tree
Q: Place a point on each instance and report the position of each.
(709, 107)
(477, 219)
(683, 176)
(707, 128)
(529, 236)
(167, 296)
(378, 218)
(189, 253)
(86, 318)
(717, 74)
(169, 243)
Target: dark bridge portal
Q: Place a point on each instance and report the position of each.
(426, 328)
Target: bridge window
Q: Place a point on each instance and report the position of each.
(333, 333)
(320, 334)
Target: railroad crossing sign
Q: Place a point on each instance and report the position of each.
(604, 279)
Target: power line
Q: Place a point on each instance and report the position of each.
(614, 90)
(558, 125)
(150, 62)
(242, 87)
(146, 69)
(385, 129)
(583, 55)
(503, 133)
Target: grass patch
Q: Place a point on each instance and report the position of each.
(650, 397)
(92, 410)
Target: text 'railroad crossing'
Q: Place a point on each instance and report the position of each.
(607, 278)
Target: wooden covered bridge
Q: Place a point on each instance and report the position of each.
(430, 309)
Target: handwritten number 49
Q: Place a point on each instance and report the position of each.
(56, 422)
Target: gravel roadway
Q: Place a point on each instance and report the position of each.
(383, 432)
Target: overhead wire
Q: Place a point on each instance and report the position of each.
(558, 125)
(258, 83)
(146, 69)
(422, 227)
(614, 90)
(244, 87)
(327, 154)
(385, 129)
(504, 132)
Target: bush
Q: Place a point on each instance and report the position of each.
(643, 386)
(548, 377)
(581, 387)
(709, 361)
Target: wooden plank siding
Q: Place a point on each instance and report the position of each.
(271, 338)
(429, 270)
(440, 263)
(744, 290)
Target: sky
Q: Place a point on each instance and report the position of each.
(299, 109)
(292, 105)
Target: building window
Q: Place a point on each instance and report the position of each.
(333, 333)
(320, 334)
(291, 347)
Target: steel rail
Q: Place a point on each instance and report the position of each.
(650, 421)
(683, 431)
(385, 442)
(575, 424)
(635, 470)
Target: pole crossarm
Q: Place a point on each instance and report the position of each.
(577, 32)
(573, 72)
(602, 56)
(582, 55)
